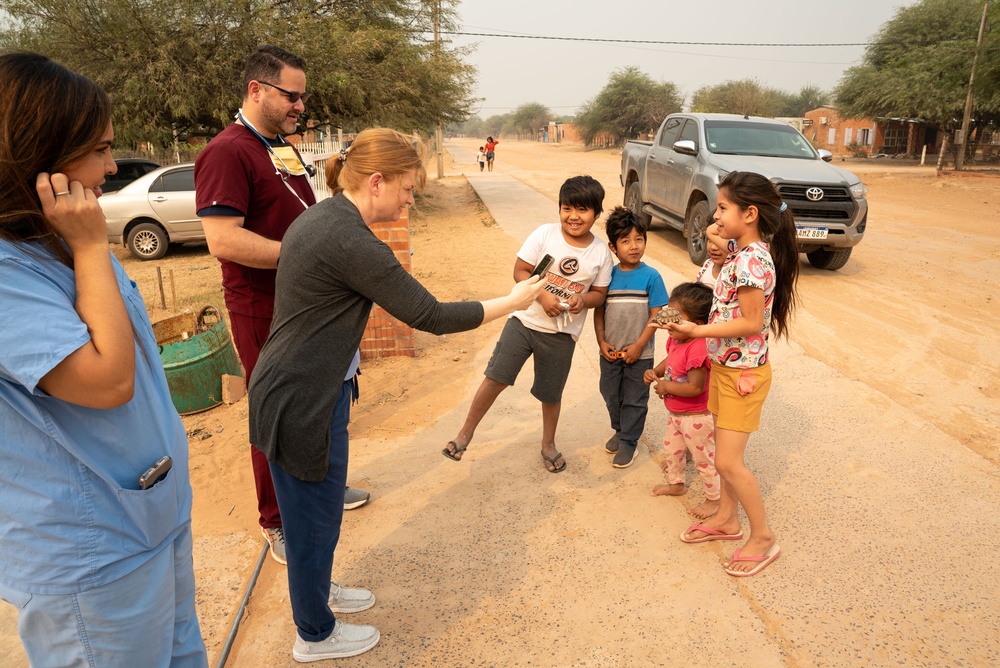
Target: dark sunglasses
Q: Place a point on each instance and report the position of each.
(292, 97)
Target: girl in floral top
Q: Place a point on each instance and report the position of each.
(754, 296)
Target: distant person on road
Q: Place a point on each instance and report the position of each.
(333, 268)
(682, 381)
(577, 280)
(491, 145)
(250, 184)
(755, 294)
(95, 554)
(481, 158)
(625, 341)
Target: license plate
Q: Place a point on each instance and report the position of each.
(811, 232)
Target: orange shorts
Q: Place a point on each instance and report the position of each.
(736, 396)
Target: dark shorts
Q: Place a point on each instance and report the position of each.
(553, 355)
(489, 155)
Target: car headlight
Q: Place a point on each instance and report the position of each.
(859, 190)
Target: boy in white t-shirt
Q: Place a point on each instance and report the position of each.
(481, 158)
(576, 281)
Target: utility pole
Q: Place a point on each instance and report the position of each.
(439, 134)
(966, 117)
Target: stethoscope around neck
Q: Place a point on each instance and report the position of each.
(284, 172)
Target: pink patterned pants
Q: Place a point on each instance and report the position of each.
(694, 433)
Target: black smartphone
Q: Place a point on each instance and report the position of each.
(156, 472)
(542, 268)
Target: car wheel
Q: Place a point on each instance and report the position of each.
(829, 259)
(633, 202)
(698, 220)
(147, 241)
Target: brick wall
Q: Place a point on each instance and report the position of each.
(385, 336)
(823, 119)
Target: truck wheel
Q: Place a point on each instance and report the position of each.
(633, 202)
(829, 259)
(699, 218)
(147, 241)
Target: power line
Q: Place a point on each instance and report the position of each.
(681, 43)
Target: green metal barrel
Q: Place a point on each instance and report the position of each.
(196, 350)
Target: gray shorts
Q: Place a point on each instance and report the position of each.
(553, 355)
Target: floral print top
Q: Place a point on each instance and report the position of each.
(748, 267)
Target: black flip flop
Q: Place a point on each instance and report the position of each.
(450, 454)
(555, 469)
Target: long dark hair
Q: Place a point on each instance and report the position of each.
(50, 117)
(777, 229)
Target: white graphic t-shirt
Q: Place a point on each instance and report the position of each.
(573, 271)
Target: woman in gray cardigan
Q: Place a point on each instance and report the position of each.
(332, 269)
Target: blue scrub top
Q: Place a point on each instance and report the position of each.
(71, 515)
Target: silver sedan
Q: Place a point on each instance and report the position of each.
(154, 211)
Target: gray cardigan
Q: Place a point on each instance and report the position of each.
(332, 269)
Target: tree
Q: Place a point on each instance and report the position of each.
(630, 103)
(808, 97)
(918, 66)
(494, 124)
(174, 67)
(746, 97)
(528, 118)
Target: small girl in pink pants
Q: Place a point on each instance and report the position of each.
(682, 380)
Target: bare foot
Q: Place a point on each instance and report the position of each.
(756, 546)
(677, 489)
(705, 509)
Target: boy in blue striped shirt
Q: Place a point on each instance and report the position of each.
(635, 295)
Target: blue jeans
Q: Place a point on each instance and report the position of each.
(311, 513)
(627, 397)
(147, 617)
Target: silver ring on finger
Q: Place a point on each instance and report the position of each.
(65, 192)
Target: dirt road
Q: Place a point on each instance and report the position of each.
(914, 314)
(495, 562)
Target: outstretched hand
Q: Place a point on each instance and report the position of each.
(684, 328)
(525, 292)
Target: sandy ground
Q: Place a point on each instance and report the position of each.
(496, 562)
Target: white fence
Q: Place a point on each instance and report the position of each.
(316, 154)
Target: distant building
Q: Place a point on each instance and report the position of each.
(888, 136)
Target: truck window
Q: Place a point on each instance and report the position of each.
(690, 132)
(667, 136)
(749, 138)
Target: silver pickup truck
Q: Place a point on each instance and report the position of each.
(674, 179)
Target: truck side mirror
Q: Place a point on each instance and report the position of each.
(825, 155)
(686, 146)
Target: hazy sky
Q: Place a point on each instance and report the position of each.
(562, 75)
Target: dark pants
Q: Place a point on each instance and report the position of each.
(249, 334)
(312, 515)
(626, 396)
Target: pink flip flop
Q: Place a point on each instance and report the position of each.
(762, 562)
(713, 534)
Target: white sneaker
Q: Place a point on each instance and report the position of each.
(276, 541)
(346, 640)
(350, 599)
